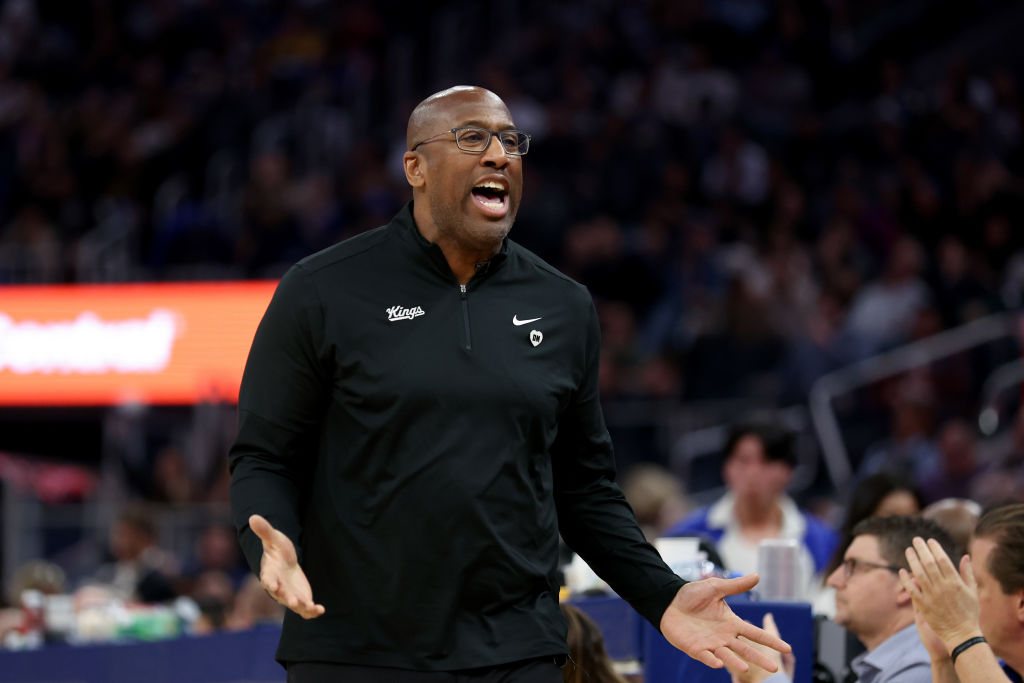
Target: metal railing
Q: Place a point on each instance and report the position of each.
(889, 364)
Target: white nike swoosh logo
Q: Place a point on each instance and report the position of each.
(516, 321)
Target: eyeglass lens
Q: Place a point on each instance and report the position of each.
(478, 139)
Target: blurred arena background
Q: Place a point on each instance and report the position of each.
(806, 210)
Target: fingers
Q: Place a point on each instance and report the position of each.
(708, 658)
(307, 610)
(772, 640)
(741, 648)
(908, 582)
(942, 561)
(283, 595)
(914, 560)
(734, 662)
(931, 566)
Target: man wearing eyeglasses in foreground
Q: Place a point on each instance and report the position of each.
(419, 419)
(873, 605)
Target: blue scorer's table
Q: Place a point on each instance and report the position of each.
(249, 655)
(629, 637)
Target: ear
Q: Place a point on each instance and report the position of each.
(903, 598)
(1018, 604)
(414, 165)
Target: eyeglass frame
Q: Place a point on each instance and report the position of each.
(850, 565)
(490, 135)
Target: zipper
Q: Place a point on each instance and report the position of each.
(465, 316)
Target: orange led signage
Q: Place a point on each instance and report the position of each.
(107, 344)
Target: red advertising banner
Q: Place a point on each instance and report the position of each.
(155, 343)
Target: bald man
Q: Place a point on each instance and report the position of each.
(419, 419)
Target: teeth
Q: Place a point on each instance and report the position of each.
(490, 184)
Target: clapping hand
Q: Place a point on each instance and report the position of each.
(756, 674)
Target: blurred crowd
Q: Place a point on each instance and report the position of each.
(205, 590)
(756, 193)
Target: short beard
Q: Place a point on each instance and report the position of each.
(447, 219)
(451, 224)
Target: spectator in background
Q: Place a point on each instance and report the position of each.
(1003, 480)
(656, 496)
(217, 550)
(881, 495)
(140, 569)
(884, 308)
(827, 343)
(958, 463)
(758, 466)
(960, 294)
(588, 659)
(252, 606)
(214, 594)
(40, 575)
(214, 575)
(170, 476)
(958, 516)
(872, 603)
(908, 450)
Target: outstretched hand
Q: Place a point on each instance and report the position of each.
(701, 624)
(280, 573)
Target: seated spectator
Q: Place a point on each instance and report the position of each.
(881, 495)
(874, 605)
(884, 308)
(969, 618)
(40, 575)
(253, 606)
(214, 594)
(1003, 480)
(958, 516)
(140, 569)
(759, 463)
(217, 550)
(909, 450)
(958, 463)
(656, 496)
(588, 660)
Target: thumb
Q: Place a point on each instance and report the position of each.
(262, 528)
(769, 624)
(738, 585)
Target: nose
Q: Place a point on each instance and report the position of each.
(494, 156)
(837, 578)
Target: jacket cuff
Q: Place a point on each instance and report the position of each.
(652, 606)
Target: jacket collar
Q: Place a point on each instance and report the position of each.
(432, 254)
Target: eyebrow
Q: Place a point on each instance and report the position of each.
(483, 124)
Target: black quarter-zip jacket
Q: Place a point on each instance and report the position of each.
(422, 444)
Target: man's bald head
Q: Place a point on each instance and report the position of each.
(431, 112)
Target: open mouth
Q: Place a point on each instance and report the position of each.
(491, 197)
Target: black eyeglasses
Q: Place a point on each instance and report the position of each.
(476, 140)
(851, 564)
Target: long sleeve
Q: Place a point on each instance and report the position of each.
(280, 405)
(593, 516)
